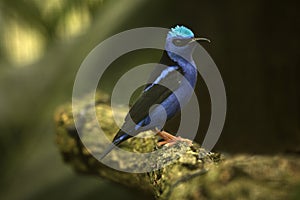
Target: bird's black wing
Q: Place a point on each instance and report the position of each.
(155, 93)
(152, 94)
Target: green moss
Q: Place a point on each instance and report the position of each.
(184, 172)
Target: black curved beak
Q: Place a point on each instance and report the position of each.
(200, 39)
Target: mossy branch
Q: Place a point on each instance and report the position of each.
(195, 175)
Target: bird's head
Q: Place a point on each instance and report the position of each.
(181, 41)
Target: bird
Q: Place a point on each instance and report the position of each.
(158, 103)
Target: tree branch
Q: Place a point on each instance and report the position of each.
(195, 175)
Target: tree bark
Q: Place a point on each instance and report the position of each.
(195, 174)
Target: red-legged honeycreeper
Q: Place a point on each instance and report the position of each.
(180, 44)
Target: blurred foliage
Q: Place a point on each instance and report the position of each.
(32, 26)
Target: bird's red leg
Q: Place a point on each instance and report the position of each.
(171, 139)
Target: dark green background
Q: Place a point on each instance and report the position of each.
(255, 45)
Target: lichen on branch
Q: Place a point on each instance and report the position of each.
(193, 173)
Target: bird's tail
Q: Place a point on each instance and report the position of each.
(120, 137)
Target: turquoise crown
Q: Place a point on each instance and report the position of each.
(180, 31)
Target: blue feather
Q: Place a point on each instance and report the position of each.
(181, 31)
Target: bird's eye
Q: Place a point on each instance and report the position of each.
(180, 42)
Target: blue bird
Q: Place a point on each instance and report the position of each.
(158, 103)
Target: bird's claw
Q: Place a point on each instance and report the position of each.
(170, 140)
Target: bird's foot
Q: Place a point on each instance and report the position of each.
(170, 140)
